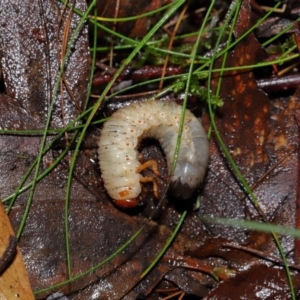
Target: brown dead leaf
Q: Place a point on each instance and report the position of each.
(258, 282)
(97, 228)
(14, 282)
(258, 144)
(243, 123)
(31, 38)
(96, 231)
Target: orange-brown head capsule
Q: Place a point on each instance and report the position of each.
(127, 203)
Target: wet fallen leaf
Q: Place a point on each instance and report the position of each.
(31, 41)
(259, 282)
(97, 228)
(14, 282)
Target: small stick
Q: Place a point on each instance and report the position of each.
(297, 212)
(8, 254)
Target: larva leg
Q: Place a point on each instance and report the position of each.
(150, 163)
(155, 185)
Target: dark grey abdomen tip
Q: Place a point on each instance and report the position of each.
(182, 190)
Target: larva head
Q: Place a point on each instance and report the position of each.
(125, 196)
(127, 203)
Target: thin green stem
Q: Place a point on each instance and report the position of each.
(133, 18)
(182, 218)
(50, 110)
(93, 269)
(166, 246)
(73, 162)
(236, 170)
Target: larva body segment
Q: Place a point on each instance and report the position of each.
(120, 137)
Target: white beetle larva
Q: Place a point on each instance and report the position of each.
(120, 137)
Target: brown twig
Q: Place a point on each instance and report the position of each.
(297, 213)
(171, 43)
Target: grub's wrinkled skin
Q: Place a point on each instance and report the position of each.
(120, 137)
